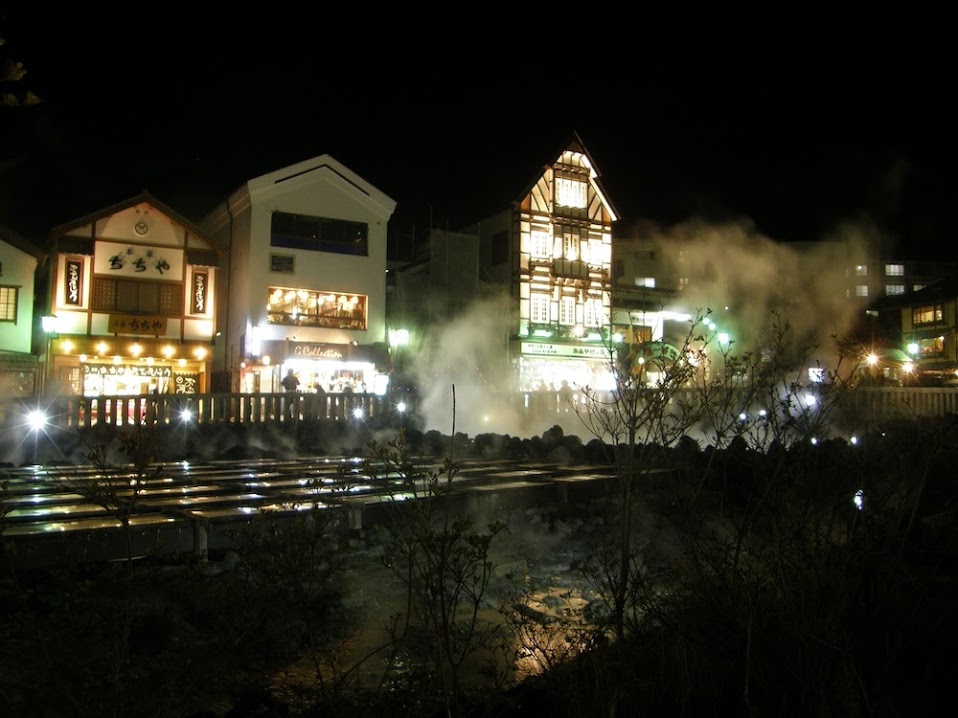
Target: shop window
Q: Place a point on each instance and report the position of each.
(305, 308)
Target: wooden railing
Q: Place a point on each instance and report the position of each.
(865, 403)
(83, 411)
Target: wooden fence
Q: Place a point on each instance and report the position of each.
(865, 403)
(81, 411)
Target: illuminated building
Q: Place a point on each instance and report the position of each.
(130, 308)
(307, 286)
(553, 250)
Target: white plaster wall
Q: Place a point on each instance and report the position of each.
(19, 270)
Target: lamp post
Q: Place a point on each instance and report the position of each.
(49, 324)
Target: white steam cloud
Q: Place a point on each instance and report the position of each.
(745, 278)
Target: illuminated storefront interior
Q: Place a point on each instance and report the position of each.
(127, 367)
(330, 367)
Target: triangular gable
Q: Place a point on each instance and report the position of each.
(324, 165)
(195, 238)
(572, 158)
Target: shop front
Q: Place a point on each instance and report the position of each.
(543, 366)
(320, 367)
(101, 367)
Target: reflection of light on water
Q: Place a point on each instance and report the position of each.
(546, 636)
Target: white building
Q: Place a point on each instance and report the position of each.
(307, 286)
(131, 307)
(18, 267)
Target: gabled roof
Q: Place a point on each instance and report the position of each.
(324, 163)
(126, 204)
(24, 245)
(574, 144)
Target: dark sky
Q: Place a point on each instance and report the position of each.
(793, 119)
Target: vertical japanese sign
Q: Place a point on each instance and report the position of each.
(198, 297)
(73, 282)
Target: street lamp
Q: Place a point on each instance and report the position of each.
(49, 324)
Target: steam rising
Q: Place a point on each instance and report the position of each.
(743, 277)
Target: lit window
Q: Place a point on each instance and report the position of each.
(683, 283)
(894, 270)
(934, 345)
(301, 307)
(8, 304)
(645, 281)
(597, 253)
(893, 289)
(570, 247)
(861, 290)
(539, 308)
(593, 312)
(917, 287)
(932, 314)
(570, 193)
(541, 244)
(567, 311)
(861, 270)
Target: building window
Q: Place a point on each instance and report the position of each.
(539, 308)
(645, 281)
(500, 248)
(861, 270)
(683, 283)
(567, 311)
(541, 244)
(894, 289)
(570, 193)
(894, 270)
(132, 296)
(8, 304)
(570, 247)
(593, 312)
(305, 308)
(861, 290)
(931, 346)
(319, 234)
(917, 287)
(618, 268)
(933, 314)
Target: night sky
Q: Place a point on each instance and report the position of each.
(792, 120)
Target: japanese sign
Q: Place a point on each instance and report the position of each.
(73, 284)
(185, 383)
(135, 260)
(199, 293)
(126, 370)
(124, 324)
(565, 350)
